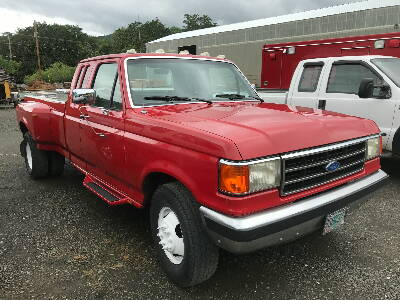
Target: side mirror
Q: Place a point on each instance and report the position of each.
(83, 96)
(366, 89)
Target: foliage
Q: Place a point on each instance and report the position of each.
(195, 21)
(57, 72)
(137, 34)
(30, 79)
(68, 44)
(10, 66)
(65, 43)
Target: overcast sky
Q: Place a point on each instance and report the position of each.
(98, 17)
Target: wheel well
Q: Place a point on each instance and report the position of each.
(152, 182)
(23, 128)
(396, 142)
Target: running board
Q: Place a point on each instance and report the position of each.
(110, 196)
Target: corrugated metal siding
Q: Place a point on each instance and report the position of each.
(243, 46)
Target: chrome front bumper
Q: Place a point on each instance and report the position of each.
(287, 222)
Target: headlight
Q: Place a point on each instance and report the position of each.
(249, 177)
(374, 148)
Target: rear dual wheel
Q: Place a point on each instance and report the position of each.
(40, 163)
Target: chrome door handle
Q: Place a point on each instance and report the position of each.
(84, 117)
(100, 134)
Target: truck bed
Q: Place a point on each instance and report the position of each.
(274, 96)
(51, 96)
(42, 113)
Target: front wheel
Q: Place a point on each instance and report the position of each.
(185, 252)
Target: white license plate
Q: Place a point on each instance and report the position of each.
(334, 220)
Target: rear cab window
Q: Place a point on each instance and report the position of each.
(310, 77)
(86, 77)
(78, 77)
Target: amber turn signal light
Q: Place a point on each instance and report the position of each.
(234, 179)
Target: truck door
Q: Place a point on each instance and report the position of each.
(103, 132)
(305, 85)
(73, 123)
(340, 94)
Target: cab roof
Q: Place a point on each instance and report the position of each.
(153, 55)
(354, 57)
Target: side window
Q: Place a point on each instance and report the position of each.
(86, 78)
(78, 80)
(117, 99)
(81, 75)
(104, 83)
(346, 78)
(309, 78)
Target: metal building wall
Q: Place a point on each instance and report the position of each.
(244, 46)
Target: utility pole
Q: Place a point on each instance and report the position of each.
(35, 35)
(9, 46)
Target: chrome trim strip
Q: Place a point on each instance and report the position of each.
(247, 162)
(325, 173)
(290, 210)
(322, 183)
(327, 148)
(289, 170)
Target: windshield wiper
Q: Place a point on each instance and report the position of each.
(231, 96)
(175, 98)
(238, 96)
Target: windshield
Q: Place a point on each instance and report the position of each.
(149, 79)
(389, 66)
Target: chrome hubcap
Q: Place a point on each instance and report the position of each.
(28, 155)
(170, 234)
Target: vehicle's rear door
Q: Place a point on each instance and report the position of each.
(306, 84)
(341, 94)
(73, 123)
(271, 75)
(103, 133)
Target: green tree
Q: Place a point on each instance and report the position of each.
(175, 29)
(10, 66)
(195, 21)
(137, 34)
(65, 43)
(57, 72)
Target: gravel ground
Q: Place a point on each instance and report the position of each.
(59, 241)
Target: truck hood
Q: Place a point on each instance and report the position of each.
(262, 129)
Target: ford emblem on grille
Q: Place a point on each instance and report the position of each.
(332, 166)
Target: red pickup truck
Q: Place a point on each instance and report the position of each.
(188, 137)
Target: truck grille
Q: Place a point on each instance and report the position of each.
(308, 169)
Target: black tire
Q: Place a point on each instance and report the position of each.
(38, 166)
(200, 259)
(56, 164)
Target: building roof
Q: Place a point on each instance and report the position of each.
(317, 13)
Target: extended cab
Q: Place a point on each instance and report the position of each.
(189, 137)
(364, 86)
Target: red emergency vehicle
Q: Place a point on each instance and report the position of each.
(279, 61)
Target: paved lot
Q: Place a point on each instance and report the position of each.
(59, 241)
